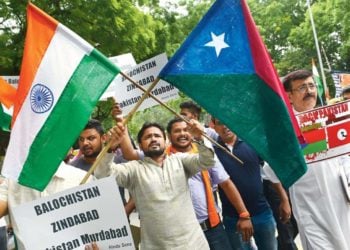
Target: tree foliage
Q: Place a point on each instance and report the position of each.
(286, 28)
(113, 26)
(145, 28)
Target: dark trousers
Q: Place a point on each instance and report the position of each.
(217, 238)
(3, 238)
(286, 232)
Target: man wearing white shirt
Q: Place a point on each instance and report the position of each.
(318, 202)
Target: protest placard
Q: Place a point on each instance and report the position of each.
(144, 74)
(13, 80)
(326, 131)
(76, 217)
(124, 62)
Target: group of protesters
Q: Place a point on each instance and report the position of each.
(173, 184)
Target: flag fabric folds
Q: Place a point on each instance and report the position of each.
(7, 97)
(62, 78)
(224, 66)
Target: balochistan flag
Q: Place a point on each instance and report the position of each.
(62, 78)
(224, 66)
(7, 97)
(317, 80)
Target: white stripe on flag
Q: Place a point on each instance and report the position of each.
(6, 110)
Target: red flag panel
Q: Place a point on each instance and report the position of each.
(338, 134)
(315, 135)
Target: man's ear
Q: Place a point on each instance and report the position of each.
(104, 138)
(289, 93)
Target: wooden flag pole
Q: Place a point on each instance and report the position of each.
(138, 104)
(179, 116)
(127, 119)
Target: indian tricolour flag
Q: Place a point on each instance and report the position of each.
(7, 98)
(62, 78)
(318, 81)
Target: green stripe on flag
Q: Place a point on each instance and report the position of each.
(319, 86)
(315, 147)
(257, 114)
(5, 120)
(67, 119)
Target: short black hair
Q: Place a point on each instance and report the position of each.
(193, 107)
(147, 125)
(95, 124)
(295, 75)
(213, 119)
(346, 90)
(171, 123)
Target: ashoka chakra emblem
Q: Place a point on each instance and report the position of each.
(41, 98)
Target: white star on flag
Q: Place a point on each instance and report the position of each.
(217, 42)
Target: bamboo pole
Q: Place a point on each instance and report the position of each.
(180, 116)
(127, 119)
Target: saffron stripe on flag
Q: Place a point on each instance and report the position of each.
(7, 93)
(40, 30)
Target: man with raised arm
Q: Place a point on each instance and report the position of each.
(158, 184)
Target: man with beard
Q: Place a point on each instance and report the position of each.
(181, 141)
(318, 202)
(158, 184)
(91, 141)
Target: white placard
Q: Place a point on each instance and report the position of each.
(13, 80)
(75, 217)
(144, 74)
(123, 62)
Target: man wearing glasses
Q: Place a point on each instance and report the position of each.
(318, 202)
(301, 90)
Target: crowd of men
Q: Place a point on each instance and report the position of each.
(174, 183)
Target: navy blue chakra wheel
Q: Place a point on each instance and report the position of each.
(41, 98)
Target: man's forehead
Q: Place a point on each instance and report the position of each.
(303, 81)
(153, 130)
(185, 111)
(179, 124)
(89, 132)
